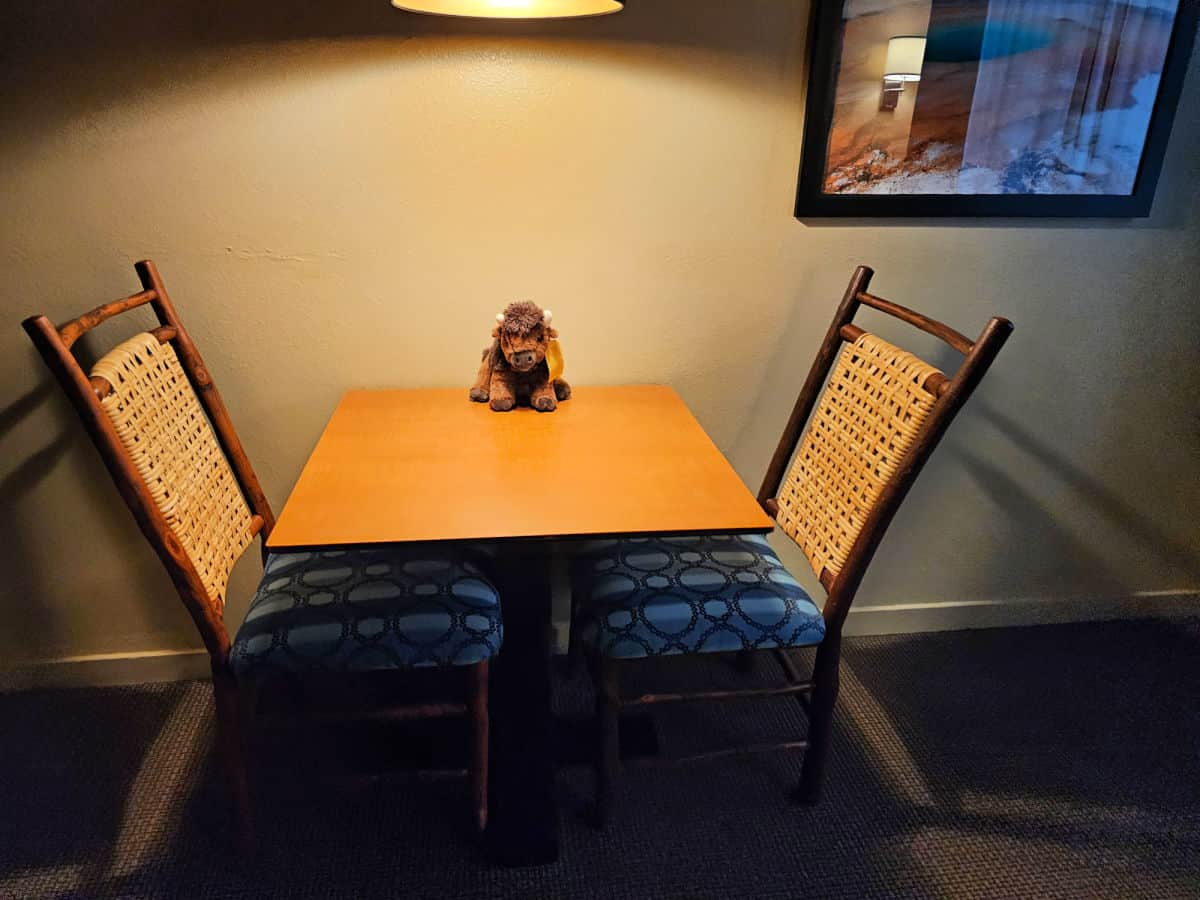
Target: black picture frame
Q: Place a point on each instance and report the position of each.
(812, 202)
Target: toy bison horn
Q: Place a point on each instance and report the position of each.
(524, 363)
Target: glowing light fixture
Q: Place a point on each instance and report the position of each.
(905, 56)
(513, 9)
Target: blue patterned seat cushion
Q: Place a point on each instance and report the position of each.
(357, 610)
(689, 594)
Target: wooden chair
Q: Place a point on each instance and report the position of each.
(870, 431)
(156, 417)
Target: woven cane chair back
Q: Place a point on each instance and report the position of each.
(866, 420)
(164, 429)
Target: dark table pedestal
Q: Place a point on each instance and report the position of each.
(523, 818)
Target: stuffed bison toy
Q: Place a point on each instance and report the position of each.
(524, 364)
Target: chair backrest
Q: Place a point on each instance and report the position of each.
(154, 414)
(869, 431)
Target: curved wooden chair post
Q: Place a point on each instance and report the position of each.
(608, 764)
(477, 691)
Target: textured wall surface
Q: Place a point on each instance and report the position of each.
(342, 195)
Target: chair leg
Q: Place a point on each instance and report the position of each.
(820, 718)
(478, 703)
(232, 749)
(608, 707)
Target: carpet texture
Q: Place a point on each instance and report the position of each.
(1052, 762)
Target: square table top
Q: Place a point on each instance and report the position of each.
(398, 466)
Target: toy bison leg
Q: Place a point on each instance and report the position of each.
(481, 388)
(503, 392)
(562, 390)
(541, 397)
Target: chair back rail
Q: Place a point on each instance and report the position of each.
(885, 395)
(72, 331)
(201, 594)
(930, 326)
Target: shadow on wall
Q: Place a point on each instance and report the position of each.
(32, 627)
(17, 494)
(1057, 556)
(1038, 545)
(1178, 557)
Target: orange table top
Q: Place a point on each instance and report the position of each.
(429, 465)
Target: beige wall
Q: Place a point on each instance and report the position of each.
(345, 195)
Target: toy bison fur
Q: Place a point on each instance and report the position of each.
(524, 364)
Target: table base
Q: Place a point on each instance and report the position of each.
(523, 816)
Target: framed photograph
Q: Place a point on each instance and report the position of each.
(991, 107)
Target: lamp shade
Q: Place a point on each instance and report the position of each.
(513, 9)
(905, 54)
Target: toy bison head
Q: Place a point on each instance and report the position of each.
(524, 331)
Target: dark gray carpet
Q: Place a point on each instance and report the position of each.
(1040, 762)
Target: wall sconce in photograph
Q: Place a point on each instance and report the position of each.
(905, 55)
(513, 9)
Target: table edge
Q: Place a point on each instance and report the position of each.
(517, 539)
